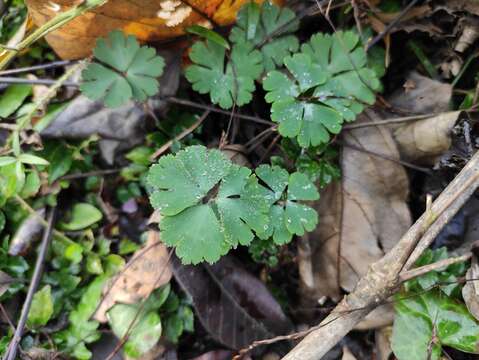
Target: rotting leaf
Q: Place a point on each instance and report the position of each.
(422, 95)
(353, 220)
(224, 291)
(470, 291)
(139, 277)
(148, 20)
(5, 281)
(425, 140)
(29, 231)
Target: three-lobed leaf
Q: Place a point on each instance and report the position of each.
(230, 80)
(210, 205)
(268, 28)
(325, 85)
(288, 217)
(123, 70)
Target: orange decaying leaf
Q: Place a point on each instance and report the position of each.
(148, 20)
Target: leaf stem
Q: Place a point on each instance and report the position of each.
(51, 25)
(37, 275)
(42, 221)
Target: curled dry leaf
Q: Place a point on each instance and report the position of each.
(470, 291)
(422, 95)
(347, 354)
(237, 153)
(5, 281)
(355, 229)
(425, 140)
(470, 33)
(29, 231)
(383, 343)
(146, 271)
(231, 304)
(149, 20)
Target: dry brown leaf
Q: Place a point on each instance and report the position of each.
(146, 271)
(5, 281)
(470, 291)
(426, 96)
(363, 216)
(149, 20)
(383, 343)
(470, 33)
(381, 316)
(425, 140)
(347, 354)
(461, 5)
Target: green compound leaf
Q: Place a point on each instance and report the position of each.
(327, 84)
(288, 217)
(270, 28)
(123, 70)
(208, 204)
(227, 81)
(417, 316)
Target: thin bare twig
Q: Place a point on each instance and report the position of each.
(184, 102)
(385, 157)
(382, 278)
(398, 120)
(37, 275)
(90, 173)
(50, 65)
(411, 274)
(41, 220)
(391, 25)
(141, 306)
(180, 136)
(18, 80)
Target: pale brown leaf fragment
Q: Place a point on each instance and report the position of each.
(383, 343)
(148, 20)
(470, 33)
(423, 141)
(364, 215)
(5, 281)
(380, 317)
(146, 271)
(347, 354)
(470, 291)
(423, 95)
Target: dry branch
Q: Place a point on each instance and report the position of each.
(382, 278)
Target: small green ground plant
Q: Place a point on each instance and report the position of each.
(208, 204)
